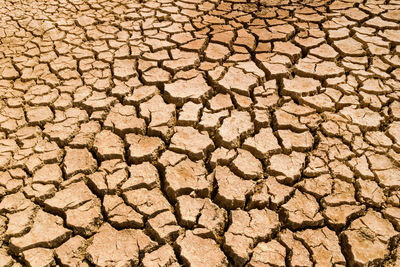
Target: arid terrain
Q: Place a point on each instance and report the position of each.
(199, 133)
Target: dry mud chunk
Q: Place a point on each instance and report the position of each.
(14, 203)
(124, 68)
(123, 120)
(200, 252)
(50, 173)
(375, 86)
(186, 177)
(40, 192)
(318, 186)
(232, 190)
(72, 252)
(9, 146)
(337, 217)
(336, 149)
(246, 39)
(163, 256)
(109, 177)
(246, 165)
(342, 193)
(181, 60)
(270, 193)
(72, 196)
(189, 115)
(190, 141)
(394, 198)
(341, 171)
(143, 175)
(147, 202)
(324, 51)
(378, 22)
(355, 14)
(378, 162)
(20, 222)
(182, 91)
(370, 193)
(39, 115)
(299, 255)
(246, 229)
(321, 102)
(170, 158)
(216, 52)
(393, 215)
(86, 134)
(39, 257)
(262, 144)
(80, 206)
(286, 120)
(220, 102)
(242, 102)
(268, 254)
(277, 66)
(47, 231)
(9, 184)
(236, 80)
(363, 117)
(378, 138)
(296, 141)
(394, 131)
(391, 35)
(392, 15)
(234, 128)
(211, 121)
(302, 210)
(108, 145)
(195, 45)
(119, 214)
(78, 161)
(300, 86)
(324, 246)
(98, 101)
(61, 132)
(289, 166)
(7, 70)
(318, 68)
(278, 32)
(367, 239)
(143, 148)
(118, 248)
(222, 156)
(160, 115)
(156, 76)
(288, 49)
(349, 47)
(163, 227)
(264, 102)
(41, 95)
(49, 152)
(11, 119)
(208, 217)
(140, 95)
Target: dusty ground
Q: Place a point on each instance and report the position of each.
(199, 133)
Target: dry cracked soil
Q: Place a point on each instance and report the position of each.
(200, 133)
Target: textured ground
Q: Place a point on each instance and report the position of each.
(199, 133)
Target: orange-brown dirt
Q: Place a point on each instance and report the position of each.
(199, 133)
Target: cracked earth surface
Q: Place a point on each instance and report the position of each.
(200, 133)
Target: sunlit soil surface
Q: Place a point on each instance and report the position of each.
(199, 133)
